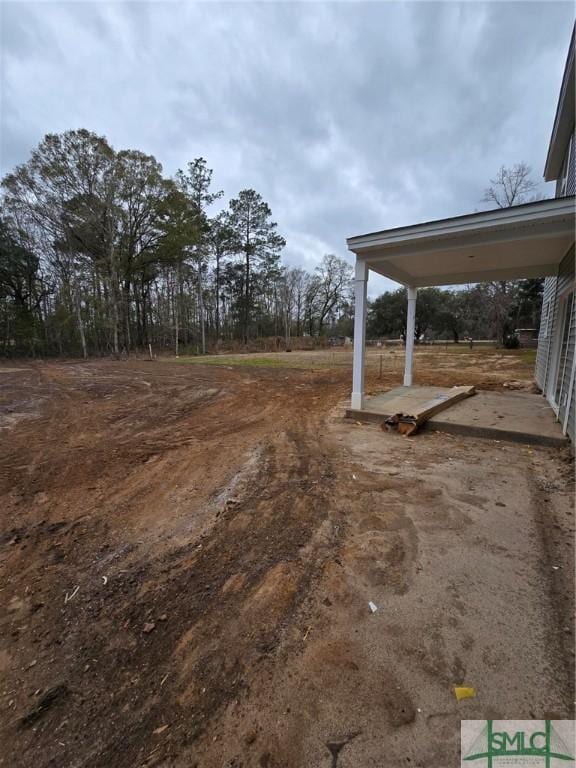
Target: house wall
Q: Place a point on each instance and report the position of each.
(571, 427)
(546, 330)
(566, 183)
(566, 283)
(571, 173)
(551, 323)
(548, 358)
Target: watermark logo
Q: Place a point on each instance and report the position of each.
(517, 743)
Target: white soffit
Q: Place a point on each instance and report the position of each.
(512, 243)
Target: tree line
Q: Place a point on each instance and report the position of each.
(491, 310)
(100, 253)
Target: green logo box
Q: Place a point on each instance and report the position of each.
(517, 743)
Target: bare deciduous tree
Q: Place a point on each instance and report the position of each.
(334, 275)
(511, 186)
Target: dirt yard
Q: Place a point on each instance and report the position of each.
(188, 550)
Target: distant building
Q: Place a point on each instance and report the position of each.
(528, 337)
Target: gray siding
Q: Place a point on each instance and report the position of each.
(571, 430)
(566, 183)
(554, 372)
(552, 320)
(566, 283)
(571, 182)
(551, 326)
(545, 334)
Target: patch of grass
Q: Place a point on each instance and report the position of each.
(478, 350)
(528, 356)
(462, 348)
(254, 362)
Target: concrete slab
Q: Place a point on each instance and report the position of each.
(404, 399)
(515, 416)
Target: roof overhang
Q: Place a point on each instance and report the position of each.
(525, 241)
(563, 121)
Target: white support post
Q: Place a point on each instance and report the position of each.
(360, 293)
(410, 328)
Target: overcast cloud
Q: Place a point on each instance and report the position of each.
(346, 117)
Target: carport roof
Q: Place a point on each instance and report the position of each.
(525, 241)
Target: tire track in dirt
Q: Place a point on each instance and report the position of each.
(229, 594)
(229, 525)
(229, 598)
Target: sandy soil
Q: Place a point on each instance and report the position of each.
(187, 553)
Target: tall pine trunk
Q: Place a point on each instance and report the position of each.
(217, 300)
(247, 298)
(201, 308)
(176, 311)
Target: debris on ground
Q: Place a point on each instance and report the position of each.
(71, 596)
(50, 698)
(250, 737)
(335, 747)
(409, 416)
(464, 692)
(391, 423)
(515, 385)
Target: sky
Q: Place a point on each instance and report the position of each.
(347, 117)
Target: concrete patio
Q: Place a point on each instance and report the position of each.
(526, 241)
(513, 416)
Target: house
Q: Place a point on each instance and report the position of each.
(527, 241)
(555, 356)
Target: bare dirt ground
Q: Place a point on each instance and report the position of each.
(187, 552)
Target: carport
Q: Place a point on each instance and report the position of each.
(526, 241)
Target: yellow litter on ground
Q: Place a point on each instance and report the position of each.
(464, 692)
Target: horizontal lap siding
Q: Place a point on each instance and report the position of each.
(571, 190)
(571, 183)
(565, 279)
(571, 428)
(571, 171)
(546, 330)
(551, 323)
(566, 283)
(566, 182)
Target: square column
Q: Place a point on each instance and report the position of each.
(410, 329)
(360, 302)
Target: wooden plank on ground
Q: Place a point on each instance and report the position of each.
(439, 403)
(407, 414)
